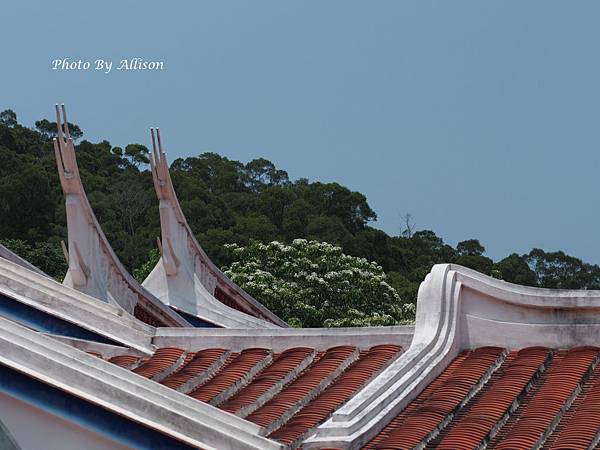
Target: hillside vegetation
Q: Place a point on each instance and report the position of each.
(229, 202)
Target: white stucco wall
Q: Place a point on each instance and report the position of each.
(36, 429)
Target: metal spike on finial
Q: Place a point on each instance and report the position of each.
(160, 149)
(160, 249)
(65, 251)
(66, 122)
(59, 128)
(154, 148)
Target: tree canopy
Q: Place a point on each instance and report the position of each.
(230, 202)
(314, 284)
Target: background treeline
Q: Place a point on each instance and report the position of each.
(225, 202)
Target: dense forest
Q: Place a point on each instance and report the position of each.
(228, 202)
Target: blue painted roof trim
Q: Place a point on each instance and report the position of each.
(84, 413)
(197, 322)
(46, 323)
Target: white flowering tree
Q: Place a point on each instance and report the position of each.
(314, 284)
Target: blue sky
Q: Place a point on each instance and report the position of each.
(481, 119)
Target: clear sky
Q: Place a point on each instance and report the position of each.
(481, 119)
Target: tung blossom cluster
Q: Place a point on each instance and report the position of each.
(314, 284)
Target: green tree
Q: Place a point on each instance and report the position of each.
(46, 256)
(141, 273)
(26, 206)
(8, 117)
(49, 129)
(560, 271)
(470, 247)
(479, 263)
(514, 268)
(261, 173)
(227, 201)
(470, 254)
(406, 288)
(314, 284)
(137, 154)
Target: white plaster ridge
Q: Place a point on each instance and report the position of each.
(245, 411)
(53, 298)
(433, 346)
(12, 256)
(566, 405)
(280, 339)
(186, 293)
(205, 375)
(459, 308)
(107, 351)
(94, 268)
(185, 277)
(313, 393)
(170, 369)
(243, 381)
(125, 393)
(475, 389)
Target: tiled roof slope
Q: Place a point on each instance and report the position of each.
(492, 398)
(288, 393)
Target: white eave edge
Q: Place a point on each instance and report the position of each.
(52, 297)
(126, 393)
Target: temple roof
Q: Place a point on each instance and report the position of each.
(102, 361)
(489, 397)
(287, 393)
(447, 386)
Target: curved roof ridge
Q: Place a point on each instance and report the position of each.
(94, 268)
(185, 277)
(459, 308)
